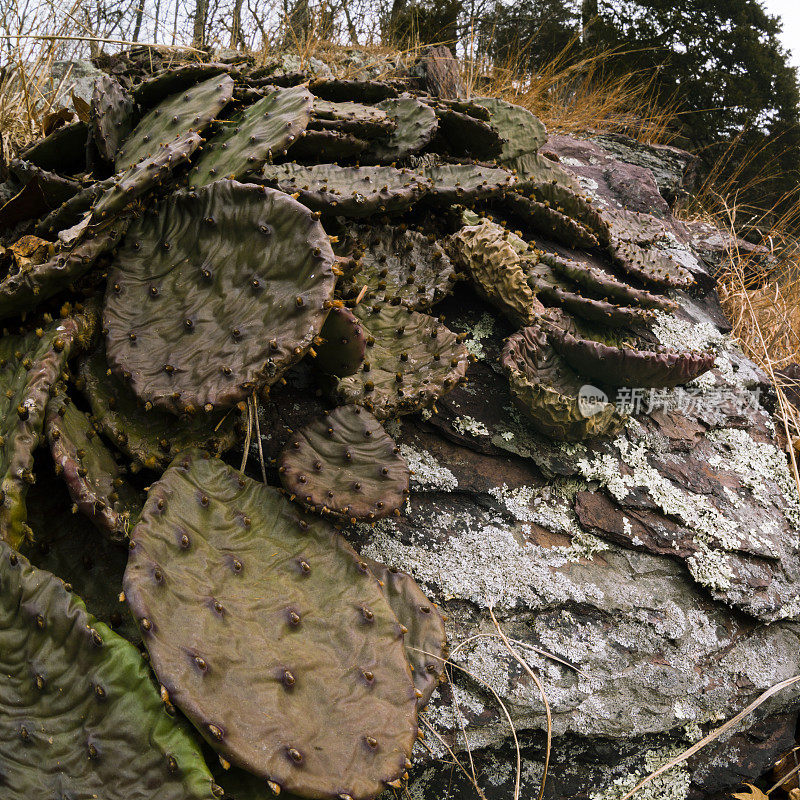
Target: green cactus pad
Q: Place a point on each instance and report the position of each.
(95, 481)
(175, 79)
(63, 151)
(189, 110)
(266, 128)
(426, 640)
(151, 438)
(24, 289)
(55, 190)
(416, 125)
(343, 344)
(79, 715)
(327, 146)
(365, 122)
(492, 258)
(410, 362)
(348, 191)
(463, 183)
(72, 211)
(534, 168)
(112, 116)
(522, 133)
(30, 366)
(238, 594)
(598, 282)
(653, 267)
(216, 293)
(550, 221)
(397, 265)
(628, 362)
(341, 90)
(464, 136)
(141, 177)
(346, 465)
(547, 390)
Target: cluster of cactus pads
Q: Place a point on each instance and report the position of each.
(168, 262)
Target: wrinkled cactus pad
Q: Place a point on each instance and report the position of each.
(345, 464)
(95, 481)
(30, 367)
(492, 258)
(366, 122)
(186, 111)
(151, 438)
(247, 142)
(327, 146)
(112, 116)
(463, 135)
(343, 344)
(340, 90)
(416, 124)
(410, 362)
(79, 714)
(397, 264)
(426, 639)
(522, 133)
(547, 390)
(549, 221)
(214, 294)
(464, 183)
(238, 593)
(348, 191)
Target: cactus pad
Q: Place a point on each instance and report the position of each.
(521, 131)
(651, 266)
(416, 125)
(426, 640)
(215, 294)
(343, 344)
(173, 80)
(462, 135)
(366, 122)
(63, 150)
(327, 146)
(463, 183)
(79, 715)
(341, 90)
(151, 438)
(491, 257)
(345, 464)
(238, 594)
(94, 479)
(397, 265)
(112, 116)
(348, 191)
(266, 128)
(547, 390)
(30, 366)
(410, 362)
(550, 222)
(190, 110)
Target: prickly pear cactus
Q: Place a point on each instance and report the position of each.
(79, 715)
(96, 483)
(327, 146)
(30, 366)
(342, 90)
(214, 294)
(397, 264)
(426, 639)
(152, 438)
(550, 222)
(522, 132)
(348, 191)
(547, 390)
(237, 594)
(346, 465)
(465, 136)
(462, 183)
(112, 116)
(365, 122)
(341, 351)
(184, 112)
(71, 212)
(410, 362)
(416, 125)
(143, 176)
(491, 257)
(246, 143)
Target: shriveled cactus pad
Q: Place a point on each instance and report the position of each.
(215, 293)
(79, 714)
(548, 390)
(345, 464)
(426, 640)
(152, 438)
(30, 366)
(410, 361)
(343, 344)
(270, 633)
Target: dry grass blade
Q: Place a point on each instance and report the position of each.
(783, 780)
(714, 735)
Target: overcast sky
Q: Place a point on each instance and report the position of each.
(789, 12)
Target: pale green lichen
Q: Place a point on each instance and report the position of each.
(471, 426)
(426, 472)
(671, 785)
(482, 330)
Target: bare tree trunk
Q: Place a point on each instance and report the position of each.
(589, 13)
(351, 29)
(137, 28)
(199, 30)
(175, 22)
(236, 25)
